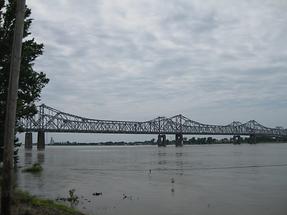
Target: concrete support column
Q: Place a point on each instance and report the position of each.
(252, 139)
(28, 140)
(236, 139)
(178, 140)
(41, 140)
(161, 140)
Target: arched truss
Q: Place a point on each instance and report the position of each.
(49, 119)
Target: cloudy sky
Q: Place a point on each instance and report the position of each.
(214, 61)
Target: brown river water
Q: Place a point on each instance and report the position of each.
(199, 179)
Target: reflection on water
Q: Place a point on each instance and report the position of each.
(178, 154)
(40, 157)
(179, 161)
(28, 157)
(161, 154)
(162, 162)
(204, 180)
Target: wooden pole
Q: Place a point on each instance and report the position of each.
(10, 118)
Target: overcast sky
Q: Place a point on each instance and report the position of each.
(214, 61)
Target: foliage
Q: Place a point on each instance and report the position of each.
(51, 204)
(23, 196)
(34, 169)
(32, 202)
(31, 82)
(73, 198)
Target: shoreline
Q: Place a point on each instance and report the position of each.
(91, 144)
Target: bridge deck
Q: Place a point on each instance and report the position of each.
(51, 120)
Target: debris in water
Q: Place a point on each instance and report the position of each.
(125, 196)
(61, 199)
(97, 194)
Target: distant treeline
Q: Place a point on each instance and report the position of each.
(191, 141)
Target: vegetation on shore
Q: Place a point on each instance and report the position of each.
(34, 169)
(191, 141)
(31, 82)
(26, 204)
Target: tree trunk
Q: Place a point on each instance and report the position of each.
(10, 118)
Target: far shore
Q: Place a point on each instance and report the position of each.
(142, 144)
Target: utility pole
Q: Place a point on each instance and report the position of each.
(10, 118)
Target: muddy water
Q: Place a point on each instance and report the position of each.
(213, 179)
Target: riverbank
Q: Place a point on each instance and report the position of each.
(26, 204)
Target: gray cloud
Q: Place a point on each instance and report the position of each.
(214, 61)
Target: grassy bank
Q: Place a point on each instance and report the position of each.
(26, 204)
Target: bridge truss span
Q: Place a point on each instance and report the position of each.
(49, 119)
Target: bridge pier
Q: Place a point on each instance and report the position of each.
(236, 139)
(178, 140)
(28, 140)
(161, 140)
(252, 139)
(41, 140)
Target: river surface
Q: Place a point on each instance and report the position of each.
(199, 180)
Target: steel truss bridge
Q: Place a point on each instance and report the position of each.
(49, 119)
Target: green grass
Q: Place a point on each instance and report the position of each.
(28, 204)
(34, 169)
(46, 203)
(23, 197)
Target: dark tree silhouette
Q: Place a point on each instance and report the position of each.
(31, 82)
